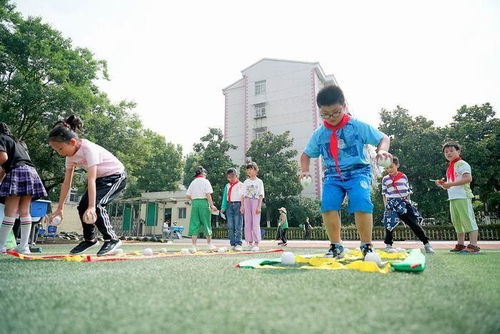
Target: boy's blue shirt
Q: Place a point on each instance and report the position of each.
(351, 139)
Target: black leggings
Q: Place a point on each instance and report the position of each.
(411, 220)
(107, 189)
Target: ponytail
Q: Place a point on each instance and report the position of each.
(64, 131)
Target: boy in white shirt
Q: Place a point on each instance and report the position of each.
(458, 179)
(231, 205)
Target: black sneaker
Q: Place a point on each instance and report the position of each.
(366, 248)
(83, 246)
(335, 251)
(108, 247)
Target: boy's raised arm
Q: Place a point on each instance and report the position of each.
(305, 161)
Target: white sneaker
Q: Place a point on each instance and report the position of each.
(429, 249)
(248, 248)
(238, 248)
(255, 249)
(233, 247)
(23, 250)
(212, 248)
(192, 249)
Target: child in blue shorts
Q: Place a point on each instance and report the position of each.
(340, 140)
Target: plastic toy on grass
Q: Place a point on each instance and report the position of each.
(353, 260)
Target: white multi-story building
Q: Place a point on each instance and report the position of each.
(276, 96)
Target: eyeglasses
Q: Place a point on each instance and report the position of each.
(331, 114)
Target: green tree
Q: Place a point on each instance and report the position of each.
(478, 132)
(192, 160)
(298, 208)
(163, 168)
(44, 79)
(278, 169)
(416, 141)
(211, 153)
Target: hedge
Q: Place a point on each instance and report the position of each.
(349, 232)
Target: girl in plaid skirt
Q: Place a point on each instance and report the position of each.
(20, 184)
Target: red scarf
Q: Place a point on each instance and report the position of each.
(231, 185)
(197, 176)
(396, 177)
(334, 148)
(450, 172)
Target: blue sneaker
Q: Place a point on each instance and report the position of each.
(366, 248)
(335, 251)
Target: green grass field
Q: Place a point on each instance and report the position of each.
(455, 294)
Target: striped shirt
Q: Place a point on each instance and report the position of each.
(398, 189)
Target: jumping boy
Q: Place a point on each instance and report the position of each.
(340, 140)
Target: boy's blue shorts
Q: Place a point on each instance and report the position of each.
(357, 186)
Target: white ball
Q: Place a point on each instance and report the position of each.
(118, 251)
(147, 252)
(163, 250)
(384, 162)
(56, 220)
(287, 259)
(185, 251)
(222, 249)
(306, 181)
(373, 257)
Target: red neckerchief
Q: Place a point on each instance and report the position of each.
(197, 176)
(334, 148)
(396, 177)
(231, 185)
(450, 172)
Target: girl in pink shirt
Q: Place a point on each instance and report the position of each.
(106, 179)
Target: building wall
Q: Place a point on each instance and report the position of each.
(234, 120)
(167, 200)
(290, 98)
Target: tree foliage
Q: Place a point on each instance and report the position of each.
(163, 165)
(44, 78)
(418, 142)
(278, 168)
(478, 131)
(211, 153)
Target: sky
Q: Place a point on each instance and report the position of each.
(173, 58)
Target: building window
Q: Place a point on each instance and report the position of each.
(259, 132)
(260, 110)
(260, 87)
(182, 213)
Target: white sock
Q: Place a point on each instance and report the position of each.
(5, 228)
(25, 231)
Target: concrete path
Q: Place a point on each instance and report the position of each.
(325, 244)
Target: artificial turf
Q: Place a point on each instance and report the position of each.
(455, 294)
